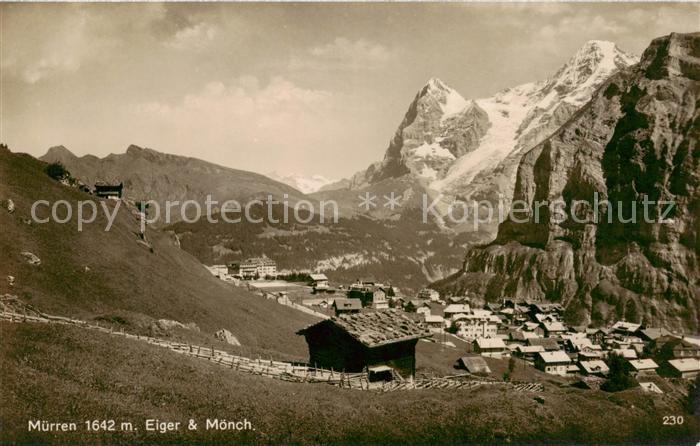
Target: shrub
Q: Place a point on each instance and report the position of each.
(619, 377)
(56, 171)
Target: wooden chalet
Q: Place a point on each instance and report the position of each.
(113, 191)
(345, 306)
(354, 342)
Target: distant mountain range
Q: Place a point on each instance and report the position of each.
(305, 183)
(151, 175)
(636, 140)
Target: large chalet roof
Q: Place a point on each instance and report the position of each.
(595, 366)
(558, 356)
(547, 343)
(643, 364)
(377, 328)
(348, 304)
(475, 364)
(686, 364)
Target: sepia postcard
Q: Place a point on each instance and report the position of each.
(343, 223)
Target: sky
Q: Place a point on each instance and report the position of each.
(291, 88)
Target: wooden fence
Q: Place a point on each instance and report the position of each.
(285, 371)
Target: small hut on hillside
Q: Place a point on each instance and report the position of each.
(353, 342)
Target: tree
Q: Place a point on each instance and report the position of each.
(619, 377)
(453, 328)
(410, 308)
(661, 354)
(511, 367)
(56, 171)
(631, 311)
(694, 396)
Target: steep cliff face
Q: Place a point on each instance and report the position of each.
(439, 127)
(596, 228)
(457, 149)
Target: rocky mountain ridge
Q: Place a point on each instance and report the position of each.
(455, 148)
(636, 140)
(148, 174)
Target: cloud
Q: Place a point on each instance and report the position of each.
(195, 37)
(36, 60)
(243, 118)
(64, 37)
(344, 54)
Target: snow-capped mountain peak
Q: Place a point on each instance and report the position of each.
(304, 183)
(450, 101)
(522, 116)
(471, 148)
(594, 62)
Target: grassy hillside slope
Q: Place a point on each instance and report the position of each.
(117, 276)
(44, 375)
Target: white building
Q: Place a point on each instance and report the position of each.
(435, 322)
(471, 326)
(256, 266)
(319, 281)
(492, 347)
(455, 309)
(687, 368)
(554, 363)
(643, 366)
(429, 294)
(596, 367)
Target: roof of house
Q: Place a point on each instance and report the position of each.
(99, 186)
(685, 346)
(457, 308)
(685, 364)
(475, 364)
(643, 364)
(482, 313)
(595, 366)
(655, 333)
(530, 325)
(547, 343)
(258, 261)
(626, 326)
(436, 308)
(558, 356)
(530, 348)
(581, 344)
(434, 318)
(693, 340)
(554, 326)
(546, 308)
(317, 277)
(348, 304)
(379, 369)
(377, 328)
(490, 343)
(627, 353)
(517, 335)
